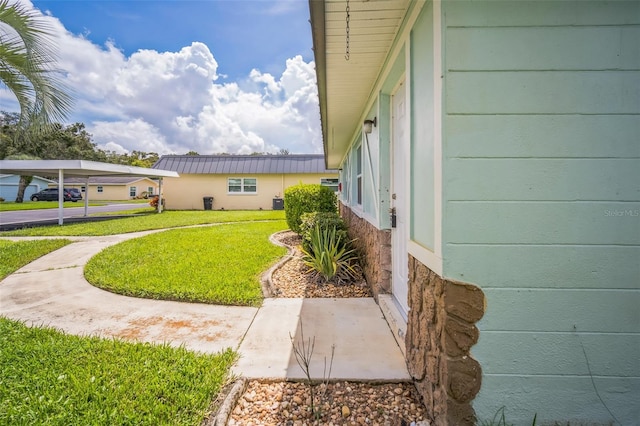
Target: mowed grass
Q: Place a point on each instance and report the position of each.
(57, 379)
(167, 219)
(218, 264)
(14, 255)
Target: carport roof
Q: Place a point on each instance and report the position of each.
(78, 168)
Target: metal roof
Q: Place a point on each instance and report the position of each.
(78, 168)
(345, 86)
(244, 164)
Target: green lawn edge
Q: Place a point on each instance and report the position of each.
(16, 254)
(220, 264)
(49, 377)
(147, 222)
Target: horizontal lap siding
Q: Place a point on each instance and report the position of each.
(543, 136)
(541, 183)
(544, 92)
(572, 397)
(571, 266)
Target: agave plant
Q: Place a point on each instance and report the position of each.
(330, 258)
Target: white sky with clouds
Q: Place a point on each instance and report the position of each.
(139, 95)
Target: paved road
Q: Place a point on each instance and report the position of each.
(28, 216)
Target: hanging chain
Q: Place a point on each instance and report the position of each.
(347, 54)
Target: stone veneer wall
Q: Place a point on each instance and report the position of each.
(440, 333)
(440, 327)
(374, 247)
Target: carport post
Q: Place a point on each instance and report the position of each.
(60, 196)
(86, 197)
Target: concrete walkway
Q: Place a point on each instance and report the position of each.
(52, 291)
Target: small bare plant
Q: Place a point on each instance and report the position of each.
(303, 351)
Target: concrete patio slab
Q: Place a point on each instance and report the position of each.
(364, 346)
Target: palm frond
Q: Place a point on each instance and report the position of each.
(28, 67)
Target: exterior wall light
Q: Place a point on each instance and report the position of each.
(368, 125)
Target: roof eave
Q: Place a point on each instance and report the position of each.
(348, 80)
(317, 20)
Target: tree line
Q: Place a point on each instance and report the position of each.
(62, 142)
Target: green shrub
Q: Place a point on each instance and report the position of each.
(330, 258)
(307, 198)
(323, 220)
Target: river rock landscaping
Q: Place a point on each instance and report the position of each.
(337, 402)
(290, 279)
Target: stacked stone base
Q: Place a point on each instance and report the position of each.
(440, 333)
(440, 328)
(374, 248)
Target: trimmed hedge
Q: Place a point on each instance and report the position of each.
(307, 198)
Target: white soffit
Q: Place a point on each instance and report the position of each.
(373, 26)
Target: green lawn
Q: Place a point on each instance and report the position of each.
(168, 219)
(52, 378)
(14, 255)
(217, 264)
(7, 206)
(56, 379)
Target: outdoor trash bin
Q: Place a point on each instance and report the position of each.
(208, 203)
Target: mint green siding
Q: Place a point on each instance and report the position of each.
(541, 201)
(422, 135)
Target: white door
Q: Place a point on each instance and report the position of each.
(399, 177)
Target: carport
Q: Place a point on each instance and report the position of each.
(80, 168)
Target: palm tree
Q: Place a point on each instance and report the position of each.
(27, 67)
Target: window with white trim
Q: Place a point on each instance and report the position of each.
(242, 185)
(100, 189)
(331, 183)
(150, 190)
(133, 191)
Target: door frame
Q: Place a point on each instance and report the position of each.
(400, 251)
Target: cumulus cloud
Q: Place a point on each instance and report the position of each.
(175, 102)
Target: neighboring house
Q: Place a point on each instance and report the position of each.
(239, 182)
(113, 187)
(9, 186)
(497, 197)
